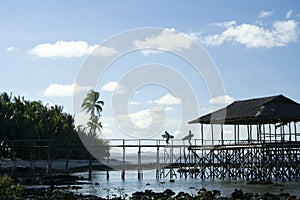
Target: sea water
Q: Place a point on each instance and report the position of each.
(115, 186)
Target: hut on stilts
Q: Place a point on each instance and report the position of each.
(255, 140)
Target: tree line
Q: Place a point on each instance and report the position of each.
(21, 119)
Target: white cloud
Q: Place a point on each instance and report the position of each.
(263, 14)
(221, 100)
(60, 90)
(113, 86)
(106, 129)
(225, 24)
(168, 39)
(133, 103)
(143, 123)
(141, 119)
(70, 49)
(289, 14)
(103, 51)
(11, 49)
(168, 99)
(168, 108)
(254, 36)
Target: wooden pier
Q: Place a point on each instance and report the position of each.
(254, 161)
(261, 146)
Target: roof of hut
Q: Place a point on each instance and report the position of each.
(274, 109)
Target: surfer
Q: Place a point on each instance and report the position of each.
(167, 136)
(189, 137)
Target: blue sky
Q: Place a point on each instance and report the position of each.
(254, 45)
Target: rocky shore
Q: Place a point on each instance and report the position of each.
(203, 194)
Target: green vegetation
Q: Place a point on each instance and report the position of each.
(25, 121)
(91, 104)
(8, 189)
(21, 119)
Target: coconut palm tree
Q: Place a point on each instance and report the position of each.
(91, 104)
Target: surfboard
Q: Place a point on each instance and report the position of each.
(188, 137)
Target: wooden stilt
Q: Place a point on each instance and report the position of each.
(238, 133)
(140, 173)
(296, 134)
(234, 132)
(49, 166)
(212, 134)
(67, 157)
(13, 159)
(157, 161)
(222, 135)
(123, 162)
(90, 167)
(107, 163)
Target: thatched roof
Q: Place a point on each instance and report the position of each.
(274, 109)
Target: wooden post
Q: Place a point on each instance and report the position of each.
(140, 174)
(250, 129)
(157, 160)
(295, 127)
(270, 132)
(171, 161)
(32, 167)
(234, 134)
(107, 163)
(275, 133)
(222, 135)
(238, 133)
(202, 139)
(281, 134)
(123, 163)
(248, 133)
(212, 134)
(67, 157)
(264, 133)
(258, 132)
(90, 166)
(290, 132)
(12, 157)
(49, 166)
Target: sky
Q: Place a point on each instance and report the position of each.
(252, 49)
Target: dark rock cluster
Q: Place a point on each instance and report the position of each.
(204, 194)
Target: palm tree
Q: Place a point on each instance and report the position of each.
(91, 104)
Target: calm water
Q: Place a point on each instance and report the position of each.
(131, 184)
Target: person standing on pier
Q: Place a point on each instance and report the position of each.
(167, 136)
(189, 137)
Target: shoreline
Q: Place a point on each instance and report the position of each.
(63, 184)
(58, 193)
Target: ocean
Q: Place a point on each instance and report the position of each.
(115, 186)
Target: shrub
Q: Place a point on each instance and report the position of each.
(8, 189)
